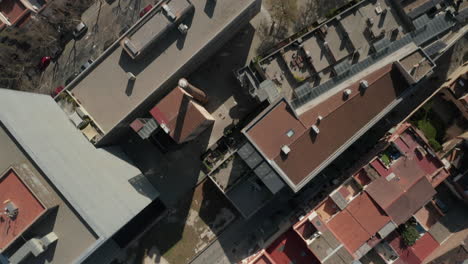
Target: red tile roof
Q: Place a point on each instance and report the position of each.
(341, 120)
(290, 248)
(180, 114)
(424, 246)
(345, 227)
(371, 217)
(411, 201)
(14, 10)
(415, 254)
(29, 208)
(409, 190)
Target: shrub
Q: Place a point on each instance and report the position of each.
(409, 235)
(435, 144)
(427, 128)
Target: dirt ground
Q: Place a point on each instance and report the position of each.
(187, 230)
(43, 34)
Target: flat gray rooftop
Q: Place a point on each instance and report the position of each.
(106, 93)
(74, 236)
(156, 24)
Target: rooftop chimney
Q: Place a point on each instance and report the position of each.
(198, 94)
(285, 150)
(315, 129)
(346, 93)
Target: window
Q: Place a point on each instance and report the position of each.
(290, 133)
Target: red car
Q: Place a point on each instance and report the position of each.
(146, 10)
(57, 90)
(45, 61)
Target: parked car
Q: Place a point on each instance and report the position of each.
(86, 65)
(145, 10)
(57, 90)
(45, 61)
(80, 30)
(71, 78)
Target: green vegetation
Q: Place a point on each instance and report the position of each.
(385, 159)
(409, 234)
(431, 125)
(427, 128)
(299, 78)
(435, 144)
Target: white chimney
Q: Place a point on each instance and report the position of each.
(285, 150)
(315, 129)
(131, 76)
(347, 92)
(364, 84)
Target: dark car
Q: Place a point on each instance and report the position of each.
(45, 61)
(145, 10)
(71, 78)
(80, 30)
(86, 65)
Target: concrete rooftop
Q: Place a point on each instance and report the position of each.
(106, 92)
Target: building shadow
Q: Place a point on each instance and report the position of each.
(188, 22)
(175, 175)
(209, 9)
(129, 87)
(218, 70)
(38, 230)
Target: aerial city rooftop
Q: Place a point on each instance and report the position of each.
(197, 131)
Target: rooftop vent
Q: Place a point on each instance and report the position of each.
(11, 209)
(285, 150)
(183, 29)
(363, 85)
(347, 93)
(315, 129)
(131, 76)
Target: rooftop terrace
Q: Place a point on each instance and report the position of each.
(315, 57)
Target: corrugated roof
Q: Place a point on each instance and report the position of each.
(94, 181)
